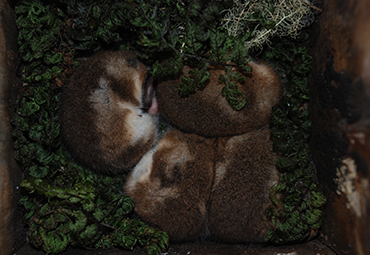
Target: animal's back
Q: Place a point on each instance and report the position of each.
(244, 173)
(206, 112)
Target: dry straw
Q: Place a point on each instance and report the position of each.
(289, 17)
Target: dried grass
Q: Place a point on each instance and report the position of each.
(289, 17)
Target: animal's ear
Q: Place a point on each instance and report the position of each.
(207, 112)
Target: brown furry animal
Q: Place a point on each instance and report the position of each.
(187, 184)
(194, 187)
(207, 112)
(244, 173)
(171, 184)
(107, 112)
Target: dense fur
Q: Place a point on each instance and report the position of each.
(186, 184)
(104, 119)
(171, 184)
(195, 187)
(207, 112)
(244, 173)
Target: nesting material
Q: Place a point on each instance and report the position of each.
(265, 19)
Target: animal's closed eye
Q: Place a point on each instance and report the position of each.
(144, 109)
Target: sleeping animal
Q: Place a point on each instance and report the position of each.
(196, 187)
(207, 113)
(216, 187)
(108, 112)
(172, 183)
(244, 173)
(189, 185)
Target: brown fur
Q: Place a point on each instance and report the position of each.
(207, 112)
(101, 120)
(172, 183)
(236, 188)
(186, 184)
(177, 186)
(245, 171)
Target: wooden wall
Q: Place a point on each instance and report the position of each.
(9, 172)
(340, 111)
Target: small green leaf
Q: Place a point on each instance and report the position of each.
(80, 222)
(74, 200)
(89, 232)
(36, 132)
(88, 205)
(38, 171)
(99, 214)
(22, 124)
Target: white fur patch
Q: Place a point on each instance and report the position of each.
(141, 125)
(100, 95)
(220, 173)
(141, 174)
(142, 170)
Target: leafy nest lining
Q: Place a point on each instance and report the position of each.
(66, 205)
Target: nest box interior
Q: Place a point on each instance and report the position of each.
(339, 110)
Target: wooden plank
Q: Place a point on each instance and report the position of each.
(340, 111)
(9, 172)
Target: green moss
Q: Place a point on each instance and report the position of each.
(66, 205)
(302, 207)
(63, 204)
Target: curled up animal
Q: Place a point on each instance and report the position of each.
(194, 182)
